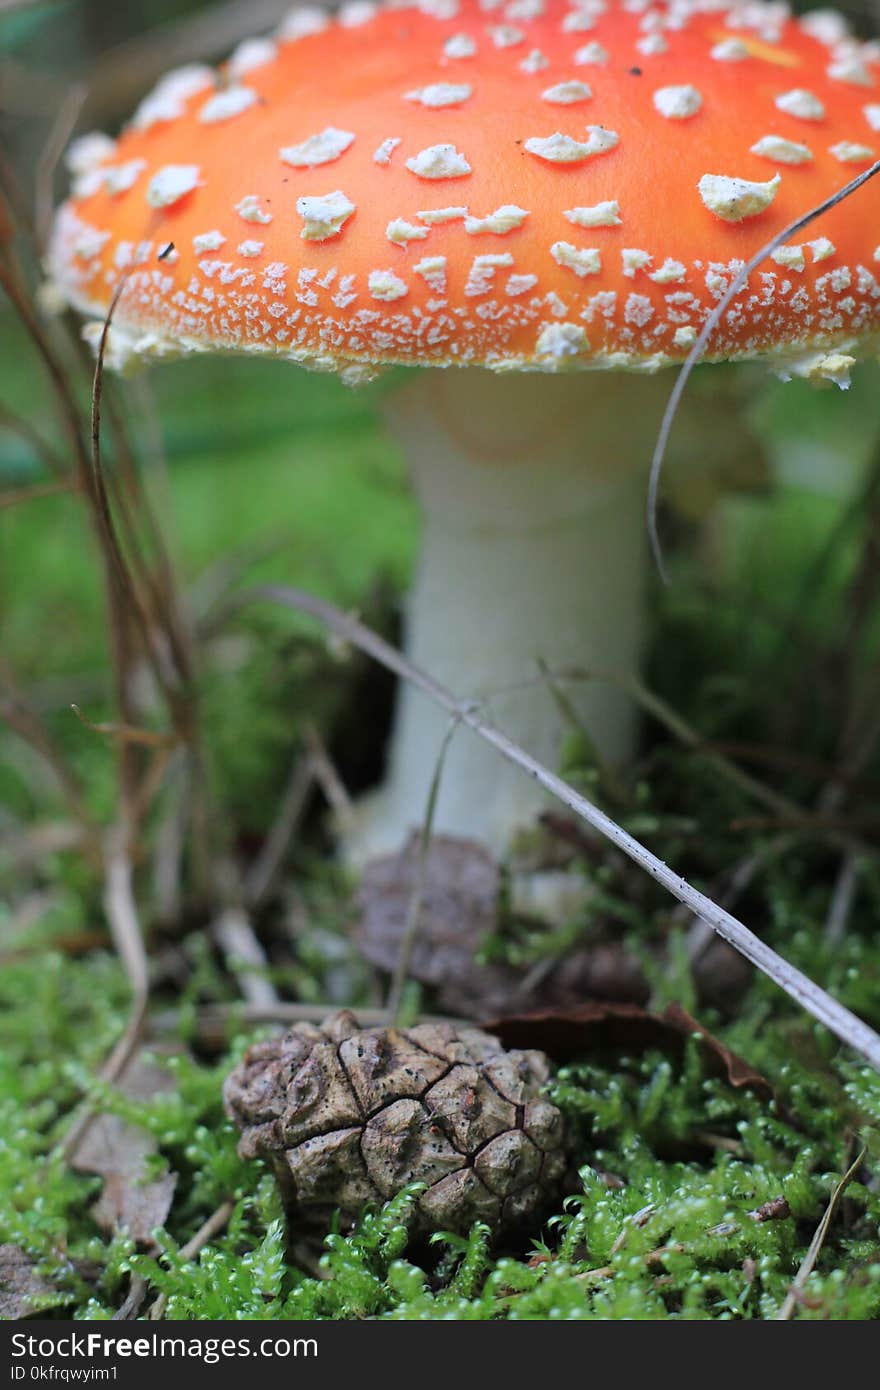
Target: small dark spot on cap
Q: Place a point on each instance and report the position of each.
(635, 72)
(166, 251)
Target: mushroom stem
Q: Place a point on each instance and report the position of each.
(532, 556)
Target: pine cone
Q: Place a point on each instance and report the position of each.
(348, 1115)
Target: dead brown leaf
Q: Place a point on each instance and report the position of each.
(23, 1292)
(459, 911)
(567, 1033)
(121, 1153)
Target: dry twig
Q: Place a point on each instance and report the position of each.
(840, 1020)
(809, 1261)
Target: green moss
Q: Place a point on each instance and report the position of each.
(671, 1164)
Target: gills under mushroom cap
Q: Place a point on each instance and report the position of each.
(543, 186)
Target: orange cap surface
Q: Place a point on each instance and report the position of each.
(534, 184)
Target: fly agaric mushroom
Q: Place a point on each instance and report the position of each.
(513, 192)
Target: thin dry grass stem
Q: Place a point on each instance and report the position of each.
(216, 1222)
(21, 716)
(17, 496)
(843, 896)
(160, 630)
(328, 779)
(125, 733)
(263, 872)
(700, 934)
(667, 717)
(233, 931)
(244, 955)
(18, 424)
(169, 840)
(56, 142)
(411, 926)
(739, 281)
(808, 1263)
(839, 1020)
(121, 912)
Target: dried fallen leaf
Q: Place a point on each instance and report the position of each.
(121, 1153)
(567, 1033)
(23, 1292)
(459, 910)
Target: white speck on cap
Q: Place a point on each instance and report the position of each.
(208, 241)
(222, 106)
(250, 248)
(249, 209)
(651, 44)
(168, 99)
(89, 242)
(356, 13)
(439, 162)
(439, 9)
(638, 310)
(324, 215)
(400, 231)
(440, 94)
(562, 149)
(599, 215)
(88, 151)
(872, 115)
(482, 272)
(578, 21)
(592, 55)
(383, 154)
(671, 272)
(433, 271)
(506, 35)
(520, 284)
(460, 46)
(171, 184)
(536, 61)
(801, 103)
(558, 340)
(435, 216)
(733, 199)
(384, 284)
(634, 259)
(730, 51)
(119, 178)
(685, 337)
(567, 93)
(851, 70)
(302, 21)
(821, 248)
(250, 54)
(677, 103)
(790, 257)
(782, 151)
(848, 152)
(502, 220)
(827, 25)
(322, 148)
(586, 260)
(524, 9)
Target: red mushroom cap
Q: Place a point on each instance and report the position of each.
(534, 184)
